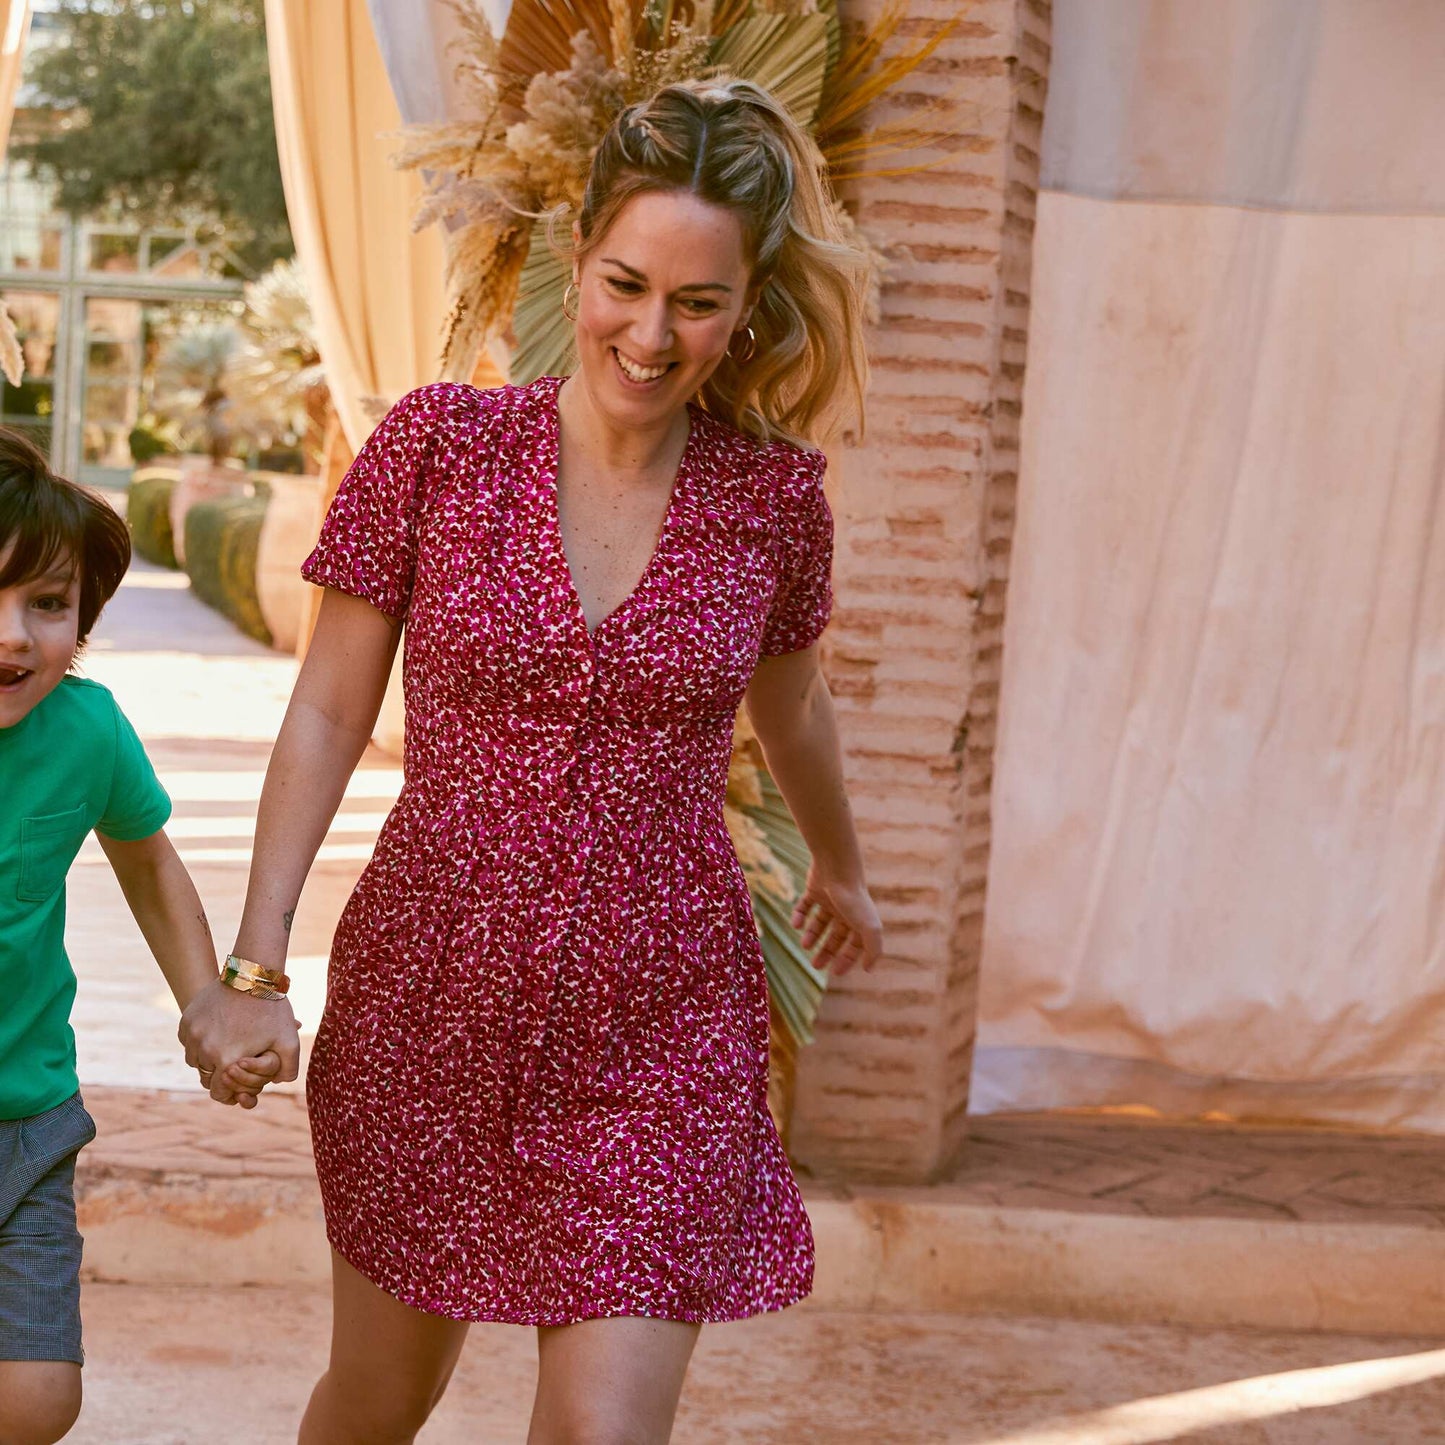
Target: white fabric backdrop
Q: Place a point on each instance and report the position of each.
(1218, 874)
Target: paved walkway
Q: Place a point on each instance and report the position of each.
(187, 1366)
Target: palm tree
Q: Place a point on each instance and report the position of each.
(191, 377)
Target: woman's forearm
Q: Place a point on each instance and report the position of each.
(311, 763)
(805, 760)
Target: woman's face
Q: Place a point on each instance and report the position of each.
(661, 295)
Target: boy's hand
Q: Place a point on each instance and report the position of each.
(247, 1077)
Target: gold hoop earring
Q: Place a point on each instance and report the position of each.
(752, 350)
(570, 300)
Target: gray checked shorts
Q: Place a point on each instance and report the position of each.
(39, 1240)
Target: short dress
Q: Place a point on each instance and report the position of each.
(538, 1092)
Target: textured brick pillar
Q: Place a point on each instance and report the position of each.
(925, 513)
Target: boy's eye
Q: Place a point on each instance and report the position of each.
(51, 604)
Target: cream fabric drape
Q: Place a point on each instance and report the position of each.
(14, 26)
(1218, 872)
(376, 287)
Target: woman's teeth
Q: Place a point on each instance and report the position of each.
(634, 372)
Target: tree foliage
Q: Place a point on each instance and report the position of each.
(160, 112)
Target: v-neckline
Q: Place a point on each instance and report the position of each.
(554, 516)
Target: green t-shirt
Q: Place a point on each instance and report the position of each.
(73, 763)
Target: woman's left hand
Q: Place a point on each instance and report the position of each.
(841, 920)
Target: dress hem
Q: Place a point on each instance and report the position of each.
(552, 1319)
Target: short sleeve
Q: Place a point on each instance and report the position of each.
(367, 545)
(804, 599)
(137, 805)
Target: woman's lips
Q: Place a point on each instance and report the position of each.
(633, 381)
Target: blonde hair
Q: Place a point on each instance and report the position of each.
(730, 143)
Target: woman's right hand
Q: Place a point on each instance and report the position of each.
(222, 1025)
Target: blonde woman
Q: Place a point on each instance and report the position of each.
(539, 1089)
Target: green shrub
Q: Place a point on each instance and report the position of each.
(148, 515)
(146, 444)
(221, 542)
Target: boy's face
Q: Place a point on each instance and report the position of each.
(39, 620)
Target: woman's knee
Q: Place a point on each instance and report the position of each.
(371, 1408)
(39, 1401)
(588, 1427)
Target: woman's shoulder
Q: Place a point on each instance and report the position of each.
(768, 463)
(447, 420)
(443, 403)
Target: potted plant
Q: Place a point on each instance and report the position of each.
(276, 374)
(191, 379)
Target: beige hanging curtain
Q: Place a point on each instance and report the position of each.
(1218, 872)
(14, 25)
(376, 288)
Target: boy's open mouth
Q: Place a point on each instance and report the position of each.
(10, 676)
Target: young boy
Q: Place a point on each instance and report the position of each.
(69, 763)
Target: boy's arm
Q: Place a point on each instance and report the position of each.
(168, 910)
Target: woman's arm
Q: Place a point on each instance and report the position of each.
(328, 723)
(791, 711)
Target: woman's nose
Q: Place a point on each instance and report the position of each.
(652, 332)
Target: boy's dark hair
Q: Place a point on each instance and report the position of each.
(45, 519)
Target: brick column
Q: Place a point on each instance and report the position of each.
(925, 510)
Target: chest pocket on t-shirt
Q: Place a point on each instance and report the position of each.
(48, 845)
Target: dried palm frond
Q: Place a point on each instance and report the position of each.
(12, 359)
(544, 336)
(860, 77)
(785, 54)
(539, 36)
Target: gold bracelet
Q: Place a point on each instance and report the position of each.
(251, 978)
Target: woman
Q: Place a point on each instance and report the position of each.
(539, 1090)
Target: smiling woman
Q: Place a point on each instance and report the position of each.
(539, 1091)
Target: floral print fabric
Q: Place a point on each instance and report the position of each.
(539, 1089)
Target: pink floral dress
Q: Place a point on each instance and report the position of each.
(539, 1089)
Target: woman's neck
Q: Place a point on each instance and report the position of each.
(619, 450)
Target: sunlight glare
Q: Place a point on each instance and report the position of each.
(1175, 1417)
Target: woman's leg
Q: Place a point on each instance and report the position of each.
(609, 1382)
(389, 1366)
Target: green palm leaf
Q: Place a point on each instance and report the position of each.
(786, 54)
(794, 985)
(544, 334)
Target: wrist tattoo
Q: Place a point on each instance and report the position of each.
(286, 918)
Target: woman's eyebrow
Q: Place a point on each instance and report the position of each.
(639, 276)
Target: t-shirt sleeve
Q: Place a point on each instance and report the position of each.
(804, 599)
(137, 805)
(367, 545)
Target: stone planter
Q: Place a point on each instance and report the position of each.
(287, 536)
(201, 480)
